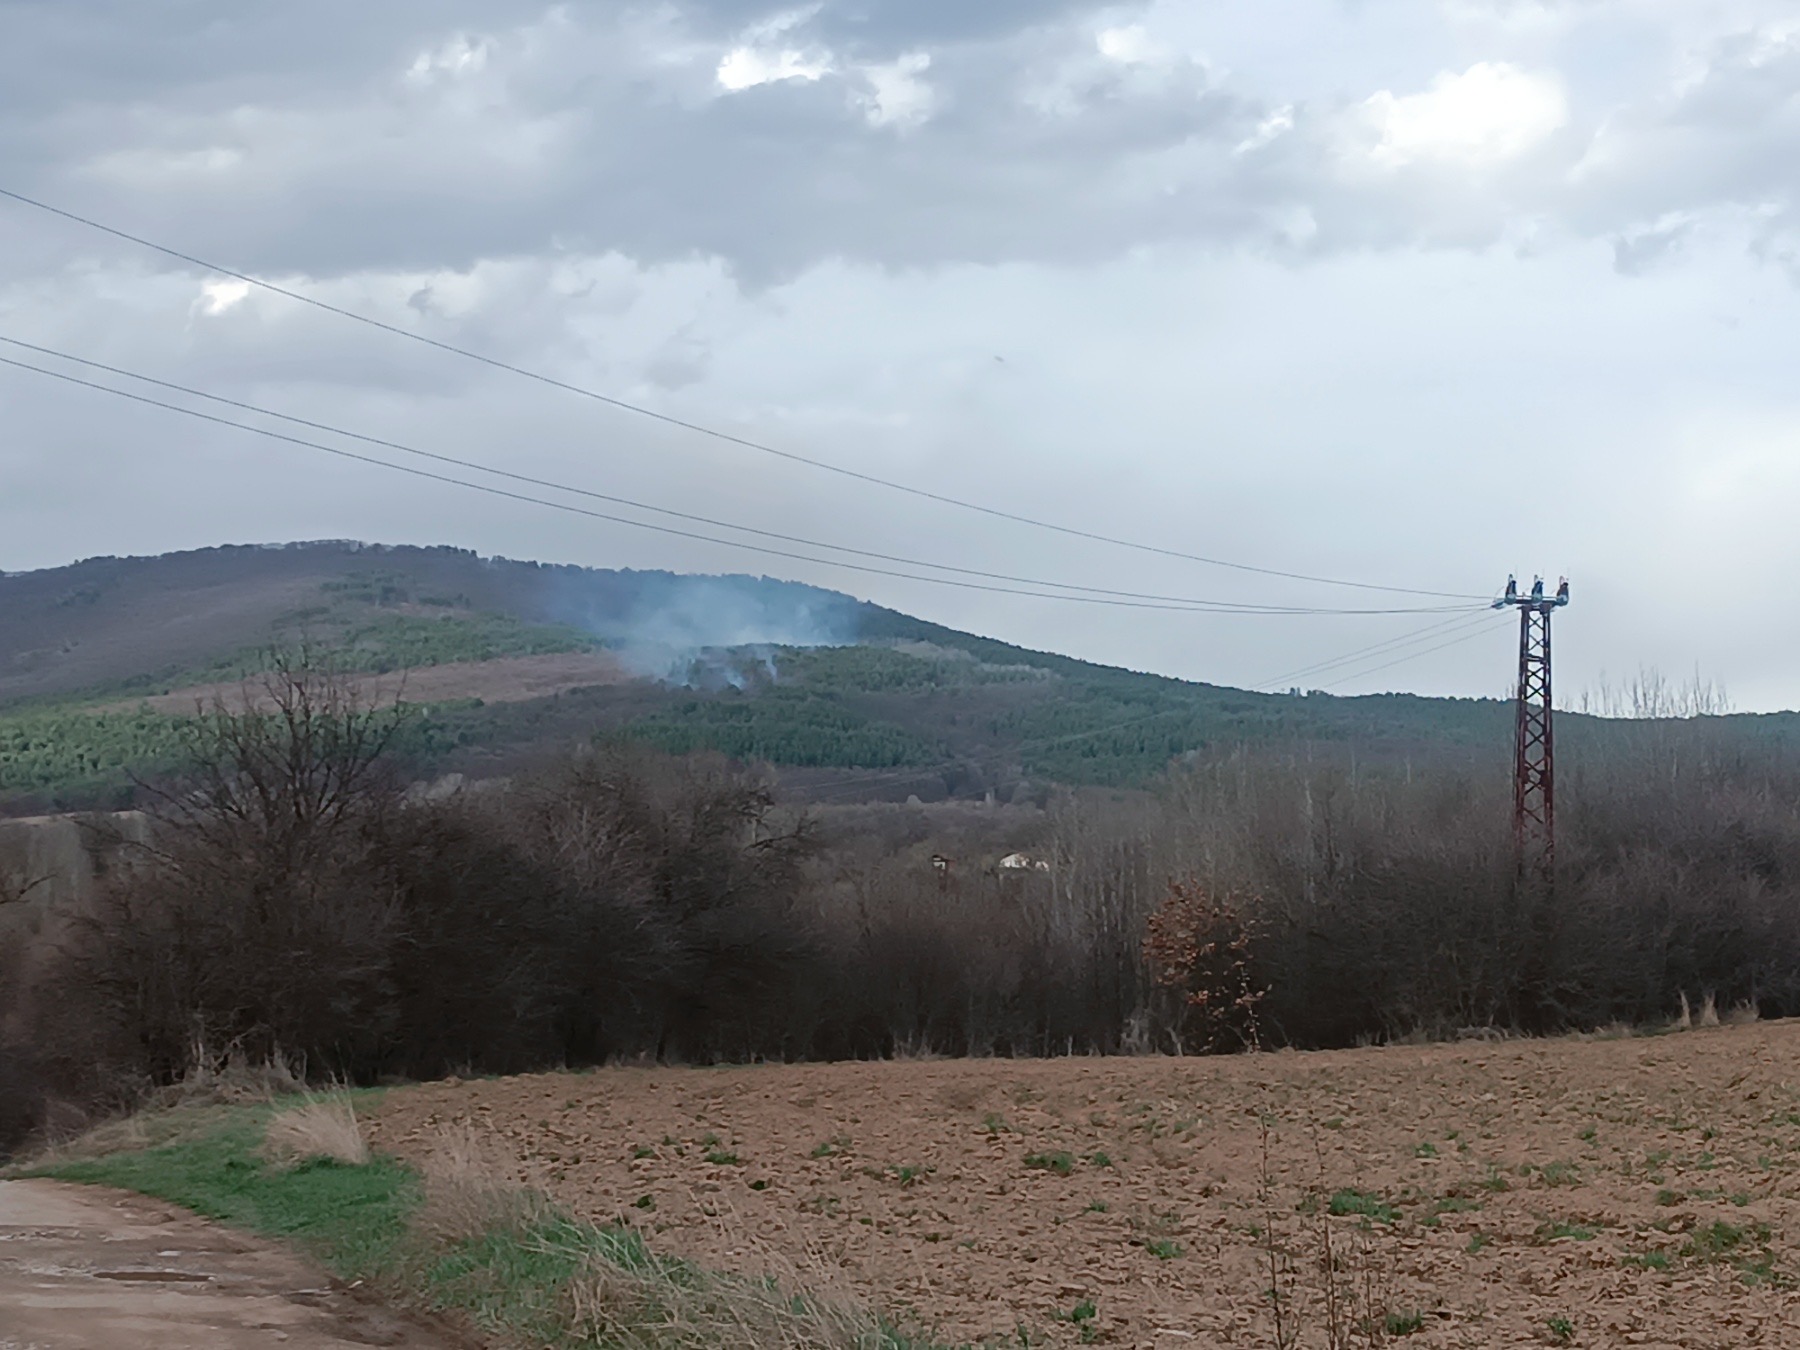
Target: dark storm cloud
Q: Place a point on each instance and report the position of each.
(577, 130)
(414, 136)
(117, 52)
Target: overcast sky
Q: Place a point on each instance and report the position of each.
(1410, 292)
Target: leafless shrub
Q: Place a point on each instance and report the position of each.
(229, 1076)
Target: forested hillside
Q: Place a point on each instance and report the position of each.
(102, 664)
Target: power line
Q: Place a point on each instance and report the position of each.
(1176, 607)
(1222, 606)
(713, 432)
(1391, 644)
(1413, 656)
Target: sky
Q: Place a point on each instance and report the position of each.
(1406, 294)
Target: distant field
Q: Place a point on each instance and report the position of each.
(511, 679)
(1596, 1192)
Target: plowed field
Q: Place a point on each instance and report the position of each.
(1588, 1192)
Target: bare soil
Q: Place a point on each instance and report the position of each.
(1637, 1191)
(506, 679)
(84, 1268)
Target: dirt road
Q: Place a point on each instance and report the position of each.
(88, 1269)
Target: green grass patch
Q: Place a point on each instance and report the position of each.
(1084, 1311)
(517, 1283)
(1743, 1246)
(1060, 1163)
(351, 1219)
(1404, 1323)
(1560, 1174)
(1362, 1203)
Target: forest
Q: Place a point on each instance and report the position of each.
(620, 902)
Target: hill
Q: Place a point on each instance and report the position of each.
(99, 661)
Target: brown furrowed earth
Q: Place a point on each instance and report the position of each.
(1635, 1191)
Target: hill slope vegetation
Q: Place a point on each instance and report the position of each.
(102, 661)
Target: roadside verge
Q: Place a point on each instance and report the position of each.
(454, 1239)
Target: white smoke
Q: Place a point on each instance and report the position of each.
(703, 631)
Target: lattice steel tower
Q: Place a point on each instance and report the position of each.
(1534, 742)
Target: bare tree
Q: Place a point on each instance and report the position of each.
(260, 909)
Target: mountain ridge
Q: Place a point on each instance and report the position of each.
(834, 692)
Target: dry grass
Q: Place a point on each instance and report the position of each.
(614, 1291)
(173, 1114)
(471, 1189)
(325, 1127)
(666, 1306)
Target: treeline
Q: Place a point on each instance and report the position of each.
(792, 727)
(47, 751)
(297, 899)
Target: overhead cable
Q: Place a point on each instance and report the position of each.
(1457, 641)
(1373, 649)
(1221, 605)
(1172, 604)
(715, 433)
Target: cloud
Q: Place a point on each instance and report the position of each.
(776, 136)
(898, 93)
(1640, 248)
(1292, 287)
(459, 56)
(218, 296)
(746, 67)
(1724, 135)
(1491, 111)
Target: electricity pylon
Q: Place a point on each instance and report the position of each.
(1534, 744)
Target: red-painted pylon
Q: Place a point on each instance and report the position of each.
(1534, 742)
